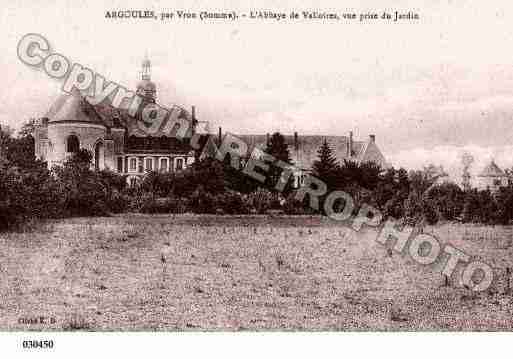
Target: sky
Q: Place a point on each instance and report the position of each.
(428, 89)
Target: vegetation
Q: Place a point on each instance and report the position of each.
(28, 190)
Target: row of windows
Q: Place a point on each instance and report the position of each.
(140, 165)
(73, 146)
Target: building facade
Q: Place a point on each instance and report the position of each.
(304, 150)
(492, 177)
(114, 137)
(121, 143)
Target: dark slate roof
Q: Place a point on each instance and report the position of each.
(73, 107)
(307, 147)
(121, 118)
(135, 144)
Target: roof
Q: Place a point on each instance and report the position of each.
(73, 107)
(147, 85)
(162, 144)
(492, 170)
(308, 146)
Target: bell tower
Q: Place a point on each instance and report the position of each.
(146, 70)
(146, 88)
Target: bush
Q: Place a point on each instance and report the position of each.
(263, 200)
(292, 206)
(232, 203)
(27, 193)
(136, 200)
(164, 205)
(202, 201)
(118, 202)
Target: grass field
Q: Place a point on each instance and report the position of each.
(136, 272)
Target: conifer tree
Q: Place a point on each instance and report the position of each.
(279, 149)
(326, 166)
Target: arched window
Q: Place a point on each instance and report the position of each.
(72, 144)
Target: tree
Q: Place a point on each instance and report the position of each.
(17, 151)
(21, 152)
(207, 173)
(279, 150)
(82, 189)
(326, 166)
(504, 198)
(448, 199)
(28, 128)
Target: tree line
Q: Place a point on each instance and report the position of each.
(31, 191)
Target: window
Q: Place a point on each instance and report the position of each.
(496, 182)
(302, 180)
(179, 164)
(163, 164)
(98, 156)
(72, 144)
(120, 164)
(133, 164)
(149, 164)
(141, 165)
(133, 182)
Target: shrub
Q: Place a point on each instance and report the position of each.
(159, 184)
(292, 206)
(232, 203)
(164, 205)
(263, 200)
(118, 202)
(202, 201)
(27, 193)
(136, 200)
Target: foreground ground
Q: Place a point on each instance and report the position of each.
(136, 272)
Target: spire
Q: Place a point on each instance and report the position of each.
(146, 88)
(146, 68)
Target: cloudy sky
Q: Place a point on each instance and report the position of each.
(428, 89)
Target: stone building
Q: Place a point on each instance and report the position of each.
(304, 150)
(115, 138)
(119, 143)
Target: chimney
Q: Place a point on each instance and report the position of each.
(220, 136)
(267, 139)
(193, 112)
(372, 138)
(296, 141)
(350, 145)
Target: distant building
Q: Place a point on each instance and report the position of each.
(439, 174)
(303, 150)
(492, 177)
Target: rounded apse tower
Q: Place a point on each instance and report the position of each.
(73, 124)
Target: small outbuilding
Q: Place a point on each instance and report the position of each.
(492, 177)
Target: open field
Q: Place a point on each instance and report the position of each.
(136, 272)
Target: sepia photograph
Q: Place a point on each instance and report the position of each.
(293, 168)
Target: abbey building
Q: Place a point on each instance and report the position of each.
(119, 141)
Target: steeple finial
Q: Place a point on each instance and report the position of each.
(146, 68)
